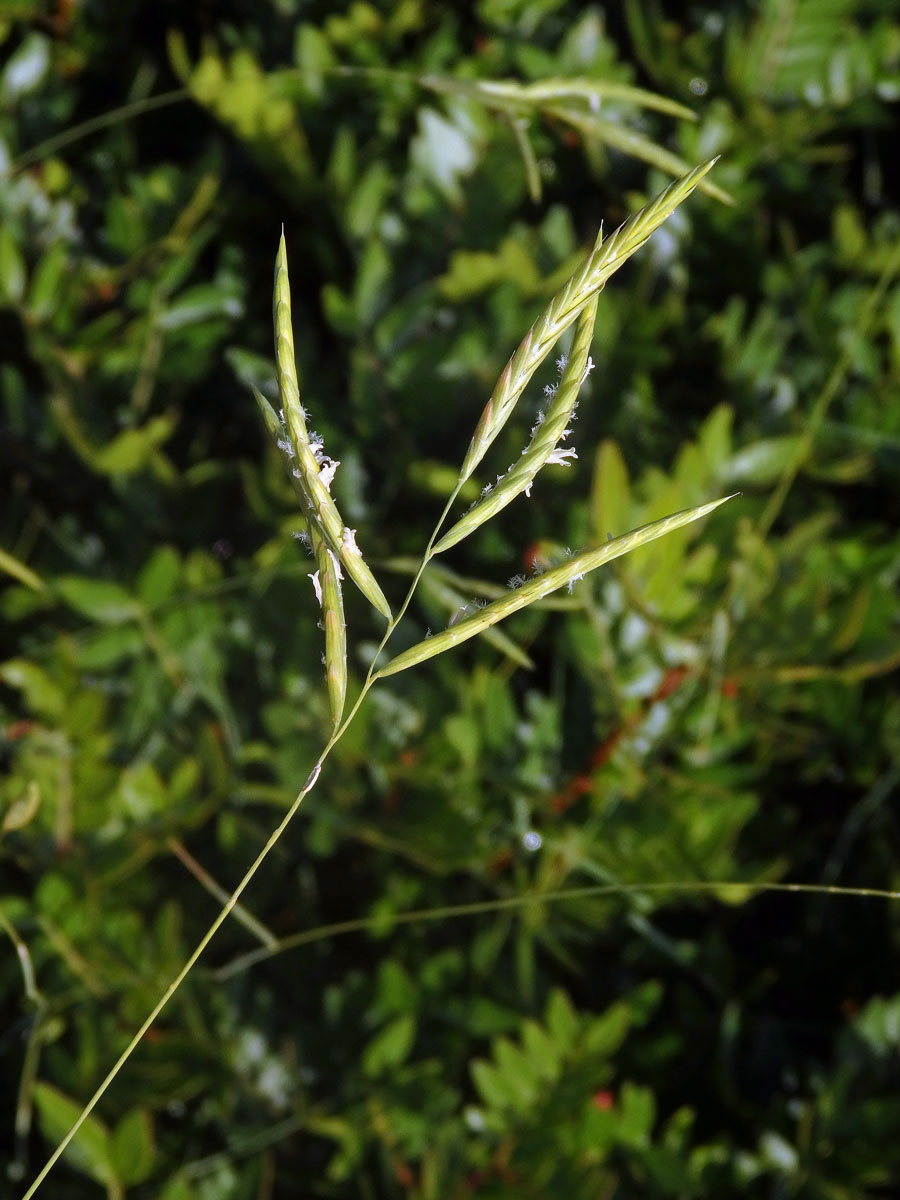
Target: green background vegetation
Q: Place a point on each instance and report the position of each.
(718, 707)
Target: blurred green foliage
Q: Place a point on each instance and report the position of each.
(720, 706)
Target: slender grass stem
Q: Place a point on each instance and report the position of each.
(25, 963)
(33, 1044)
(235, 896)
(181, 976)
(246, 918)
(506, 903)
(125, 112)
(398, 616)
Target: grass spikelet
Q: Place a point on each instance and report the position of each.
(326, 580)
(313, 470)
(604, 260)
(320, 511)
(269, 416)
(544, 441)
(328, 590)
(536, 589)
(358, 570)
(285, 362)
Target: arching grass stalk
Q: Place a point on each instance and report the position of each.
(114, 116)
(729, 891)
(334, 543)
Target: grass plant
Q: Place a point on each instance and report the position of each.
(334, 545)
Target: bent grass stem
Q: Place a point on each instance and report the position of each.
(235, 896)
(505, 903)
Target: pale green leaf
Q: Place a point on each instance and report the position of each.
(391, 1045)
(98, 599)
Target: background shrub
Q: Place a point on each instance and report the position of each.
(720, 707)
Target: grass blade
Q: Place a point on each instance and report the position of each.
(633, 142)
(506, 94)
(12, 566)
(526, 152)
(535, 589)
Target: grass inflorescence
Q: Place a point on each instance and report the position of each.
(336, 552)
